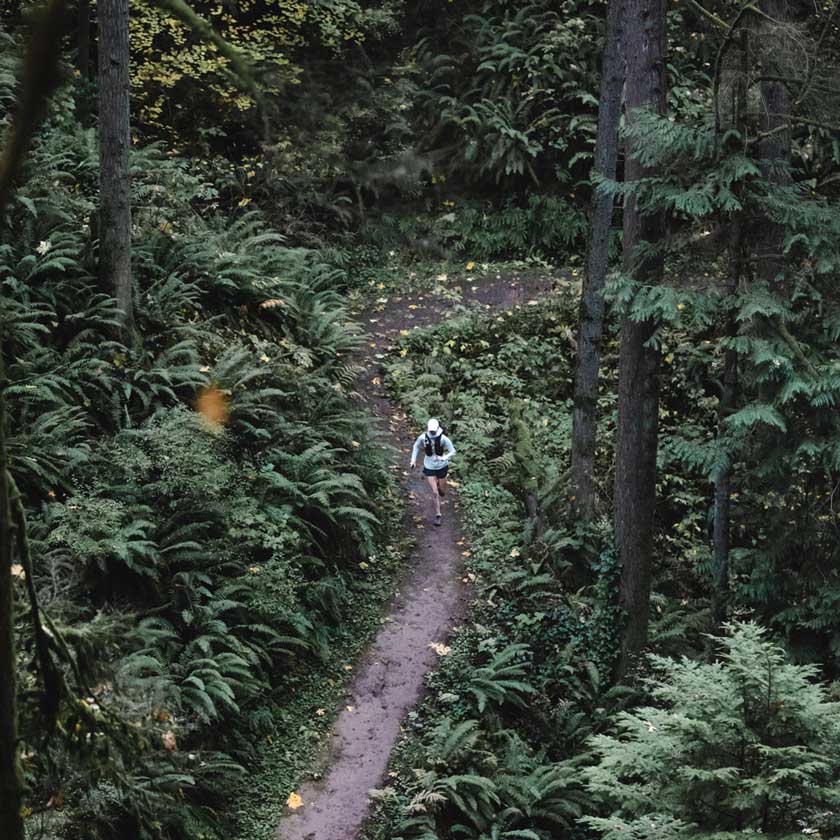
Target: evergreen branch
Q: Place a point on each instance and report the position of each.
(719, 22)
(813, 65)
(791, 342)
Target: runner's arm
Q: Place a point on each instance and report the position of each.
(450, 449)
(416, 451)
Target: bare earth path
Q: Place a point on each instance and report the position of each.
(389, 680)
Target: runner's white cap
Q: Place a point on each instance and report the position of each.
(433, 427)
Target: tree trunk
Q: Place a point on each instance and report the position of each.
(638, 374)
(774, 148)
(591, 318)
(723, 482)
(11, 780)
(114, 143)
(739, 270)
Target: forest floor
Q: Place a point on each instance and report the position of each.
(390, 678)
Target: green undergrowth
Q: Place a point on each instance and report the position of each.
(490, 753)
(523, 734)
(290, 752)
(212, 519)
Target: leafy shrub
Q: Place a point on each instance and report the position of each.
(743, 747)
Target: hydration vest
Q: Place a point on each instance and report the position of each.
(434, 445)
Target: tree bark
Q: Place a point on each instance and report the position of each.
(773, 149)
(638, 375)
(591, 317)
(739, 270)
(114, 144)
(723, 482)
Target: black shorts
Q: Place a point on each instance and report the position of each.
(441, 473)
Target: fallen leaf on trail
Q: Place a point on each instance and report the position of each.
(294, 801)
(413, 306)
(376, 381)
(404, 352)
(440, 649)
(404, 332)
(347, 667)
(466, 553)
(320, 712)
(350, 708)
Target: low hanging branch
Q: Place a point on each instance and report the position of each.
(240, 67)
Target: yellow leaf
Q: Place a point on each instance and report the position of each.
(294, 801)
(320, 712)
(470, 265)
(355, 444)
(244, 202)
(404, 351)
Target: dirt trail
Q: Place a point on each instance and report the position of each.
(390, 678)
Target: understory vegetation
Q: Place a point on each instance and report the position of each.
(200, 523)
(525, 733)
(206, 507)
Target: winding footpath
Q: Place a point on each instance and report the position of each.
(389, 680)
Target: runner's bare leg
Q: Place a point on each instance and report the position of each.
(433, 483)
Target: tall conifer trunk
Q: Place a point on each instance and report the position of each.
(774, 147)
(114, 143)
(739, 269)
(591, 318)
(638, 375)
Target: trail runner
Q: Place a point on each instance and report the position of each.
(438, 451)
